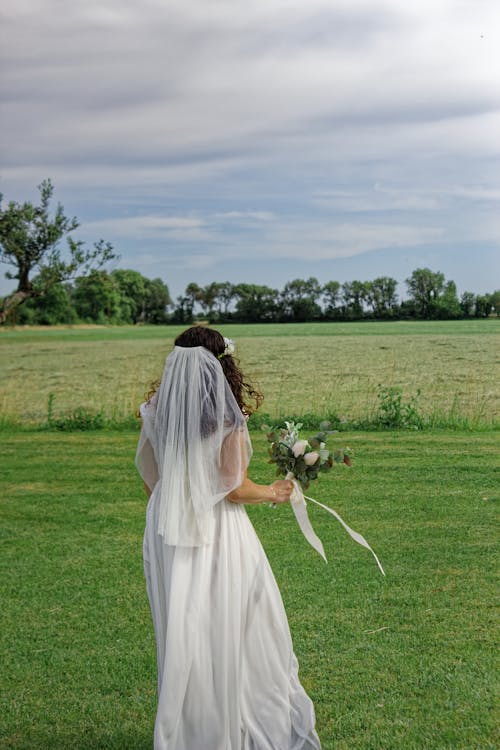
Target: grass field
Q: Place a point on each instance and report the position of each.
(401, 663)
(322, 368)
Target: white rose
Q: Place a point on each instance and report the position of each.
(311, 458)
(299, 448)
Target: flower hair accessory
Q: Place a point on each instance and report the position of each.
(228, 348)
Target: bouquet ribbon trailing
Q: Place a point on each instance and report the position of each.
(299, 507)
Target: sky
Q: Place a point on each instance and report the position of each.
(262, 141)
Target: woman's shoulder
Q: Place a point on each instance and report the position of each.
(148, 408)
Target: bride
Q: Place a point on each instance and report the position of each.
(227, 673)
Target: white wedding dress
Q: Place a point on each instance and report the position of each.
(227, 673)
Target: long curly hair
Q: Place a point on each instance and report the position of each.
(247, 397)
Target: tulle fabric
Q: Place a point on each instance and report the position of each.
(200, 440)
(227, 673)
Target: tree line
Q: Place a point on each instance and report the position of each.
(69, 286)
(119, 297)
(125, 296)
(430, 296)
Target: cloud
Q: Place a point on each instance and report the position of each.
(165, 230)
(377, 199)
(267, 128)
(136, 225)
(127, 81)
(344, 240)
(250, 215)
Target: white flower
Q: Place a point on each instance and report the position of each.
(299, 448)
(323, 452)
(311, 458)
(229, 346)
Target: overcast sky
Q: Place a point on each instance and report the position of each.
(262, 140)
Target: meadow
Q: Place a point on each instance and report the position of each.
(322, 368)
(404, 662)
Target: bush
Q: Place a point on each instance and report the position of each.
(394, 412)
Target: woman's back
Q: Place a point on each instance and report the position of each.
(227, 674)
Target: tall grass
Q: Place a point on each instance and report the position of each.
(322, 369)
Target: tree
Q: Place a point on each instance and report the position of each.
(483, 306)
(425, 287)
(225, 295)
(467, 304)
(97, 298)
(157, 300)
(255, 303)
(51, 308)
(30, 242)
(495, 302)
(381, 296)
(194, 294)
(299, 299)
(132, 287)
(447, 305)
(208, 297)
(183, 310)
(331, 297)
(354, 294)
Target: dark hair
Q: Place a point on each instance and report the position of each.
(247, 397)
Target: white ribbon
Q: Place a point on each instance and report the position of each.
(299, 507)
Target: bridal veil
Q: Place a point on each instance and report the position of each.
(195, 433)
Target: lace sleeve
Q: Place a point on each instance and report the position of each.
(145, 458)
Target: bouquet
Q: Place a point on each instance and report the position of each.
(301, 461)
(304, 459)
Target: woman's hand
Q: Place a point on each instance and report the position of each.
(248, 492)
(281, 490)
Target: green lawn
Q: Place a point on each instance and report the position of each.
(401, 663)
(319, 368)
